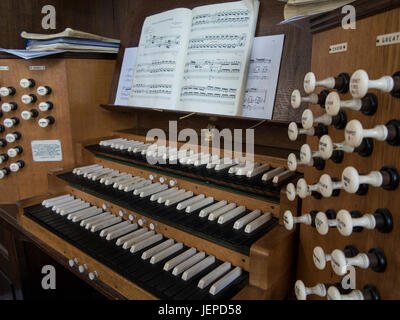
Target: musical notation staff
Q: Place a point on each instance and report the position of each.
(222, 18)
(218, 41)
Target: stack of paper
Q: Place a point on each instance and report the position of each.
(299, 9)
(70, 40)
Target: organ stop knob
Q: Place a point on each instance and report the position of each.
(27, 83)
(26, 115)
(305, 190)
(387, 178)
(28, 98)
(3, 158)
(367, 105)
(374, 259)
(291, 192)
(308, 119)
(335, 151)
(45, 122)
(7, 91)
(93, 275)
(369, 292)
(324, 221)
(309, 156)
(360, 84)
(10, 122)
(355, 133)
(7, 107)
(380, 220)
(320, 258)
(340, 83)
(289, 220)
(294, 131)
(328, 186)
(12, 137)
(43, 90)
(297, 99)
(4, 172)
(46, 106)
(13, 152)
(16, 166)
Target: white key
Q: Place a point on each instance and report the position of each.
(206, 211)
(97, 173)
(119, 177)
(106, 231)
(247, 168)
(112, 175)
(106, 143)
(178, 259)
(87, 215)
(137, 239)
(258, 170)
(158, 248)
(215, 214)
(271, 174)
(198, 205)
(225, 280)
(129, 236)
(72, 203)
(146, 243)
(92, 219)
(82, 172)
(145, 188)
(166, 253)
(188, 263)
(89, 225)
(231, 214)
(162, 199)
(44, 202)
(60, 201)
(77, 208)
(214, 275)
(192, 160)
(120, 232)
(225, 165)
(246, 219)
(156, 196)
(236, 167)
(98, 177)
(105, 224)
(157, 189)
(139, 149)
(182, 205)
(282, 176)
(255, 224)
(213, 163)
(137, 185)
(178, 198)
(70, 206)
(75, 170)
(80, 212)
(127, 182)
(197, 268)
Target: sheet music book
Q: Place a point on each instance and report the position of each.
(195, 60)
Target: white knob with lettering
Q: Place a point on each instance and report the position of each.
(369, 292)
(289, 220)
(7, 91)
(27, 83)
(296, 99)
(26, 115)
(10, 122)
(4, 172)
(93, 275)
(7, 107)
(310, 82)
(302, 291)
(294, 131)
(360, 84)
(320, 258)
(45, 122)
(304, 190)
(327, 186)
(43, 90)
(46, 106)
(323, 222)
(308, 119)
(13, 152)
(28, 98)
(327, 147)
(12, 137)
(291, 192)
(16, 166)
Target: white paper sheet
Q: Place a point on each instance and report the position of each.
(27, 54)
(263, 77)
(125, 77)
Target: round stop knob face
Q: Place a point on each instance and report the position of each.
(305, 153)
(12, 153)
(26, 99)
(295, 99)
(291, 192)
(4, 91)
(332, 104)
(44, 106)
(350, 179)
(14, 167)
(338, 262)
(42, 91)
(300, 290)
(8, 123)
(288, 220)
(6, 107)
(326, 147)
(354, 133)
(26, 115)
(292, 162)
(43, 123)
(293, 131)
(319, 258)
(25, 83)
(10, 138)
(326, 185)
(321, 223)
(359, 84)
(309, 82)
(302, 188)
(307, 119)
(344, 222)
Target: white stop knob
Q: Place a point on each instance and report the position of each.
(26, 83)
(27, 99)
(43, 90)
(291, 192)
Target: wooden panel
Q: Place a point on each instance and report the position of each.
(378, 61)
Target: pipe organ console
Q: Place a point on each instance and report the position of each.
(339, 207)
